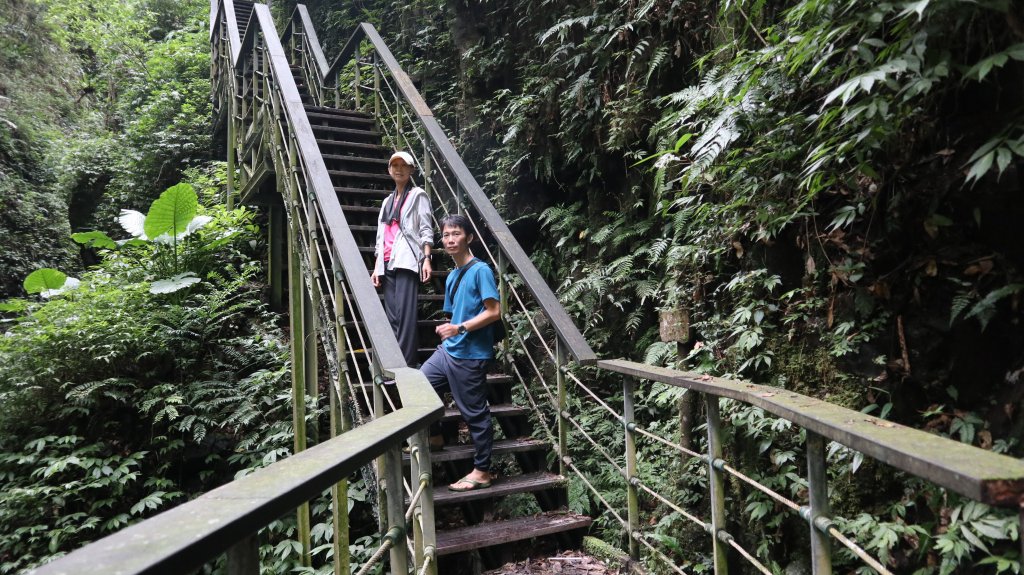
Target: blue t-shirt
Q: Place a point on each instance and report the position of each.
(477, 286)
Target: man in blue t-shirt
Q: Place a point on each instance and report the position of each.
(467, 345)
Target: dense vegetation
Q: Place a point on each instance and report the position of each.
(829, 189)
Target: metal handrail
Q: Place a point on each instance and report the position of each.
(560, 321)
(184, 538)
(975, 473)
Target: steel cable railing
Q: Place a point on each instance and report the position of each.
(409, 124)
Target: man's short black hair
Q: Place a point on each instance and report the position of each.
(456, 221)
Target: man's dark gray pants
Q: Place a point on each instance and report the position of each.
(467, 380)
(401, 287)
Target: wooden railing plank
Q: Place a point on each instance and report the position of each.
(973, 472)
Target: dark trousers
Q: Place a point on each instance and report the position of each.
(401, 287)
(467, 380)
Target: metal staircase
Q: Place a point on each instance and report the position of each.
(316, 169)
(352, 148)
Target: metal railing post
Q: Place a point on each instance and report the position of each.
(817, 486)
(376, 87)
(563, 425)
(230, 186)
(503, 292)
(425, 538)
(428, 167)
(633, 502)
(382, 463)
(716, 482)
(244, 557)
(396, 509)
(310, 324)
(296, 316)
(355, 79)
(340, 423)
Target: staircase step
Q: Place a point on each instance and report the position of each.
(362, 134)
(497, 410)
(376, 163)
(351, 120)
(337, 112)
(501, 447)
(360, 146)
(497, 532)
(363, 192)
(361, 209)
(373, 176)
(500, 487)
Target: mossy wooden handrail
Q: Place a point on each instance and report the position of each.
(186, 537)
(972, 472)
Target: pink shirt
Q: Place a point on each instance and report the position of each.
(391, 232)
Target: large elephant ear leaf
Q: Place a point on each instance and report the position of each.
(171, 213)
(44, 280)
(96, 239)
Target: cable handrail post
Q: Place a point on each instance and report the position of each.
(243, 558)
(376, 86)
(817, 486)
(423, 517)
(716, 483)
(341, 422)
(395, 508)
(502, 270)
(428, 167)
(297, 317)
(355, 78)
(563, 427)
(633, 502)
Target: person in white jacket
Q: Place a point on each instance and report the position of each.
(405, 236)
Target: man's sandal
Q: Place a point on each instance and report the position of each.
(473, 485)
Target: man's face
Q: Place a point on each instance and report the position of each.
(455, 240)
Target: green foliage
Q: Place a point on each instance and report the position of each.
(117, 402)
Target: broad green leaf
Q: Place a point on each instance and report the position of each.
(95, 239)
(982, 68)
(981, 167)
(173, 284)
(171, 213)
(45, 279)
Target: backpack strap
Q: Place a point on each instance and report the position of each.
(458, 280)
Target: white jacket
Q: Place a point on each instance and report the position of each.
(415, 229)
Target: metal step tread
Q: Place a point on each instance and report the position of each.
(497, 532)
(379, 162)
(362, 192)
(500, 487)
(340, 118)
(364, 175)
(354, 145)
(501, 446)
(339, 130)
(497, 410)
(361, 209)
(336, 111)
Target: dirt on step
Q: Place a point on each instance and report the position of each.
(566, 563)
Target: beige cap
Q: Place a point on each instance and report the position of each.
(404, 156)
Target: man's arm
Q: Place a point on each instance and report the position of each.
(490, 314)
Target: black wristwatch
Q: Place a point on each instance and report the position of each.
(462, 329)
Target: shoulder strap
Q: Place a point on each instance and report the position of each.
(458, 280)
